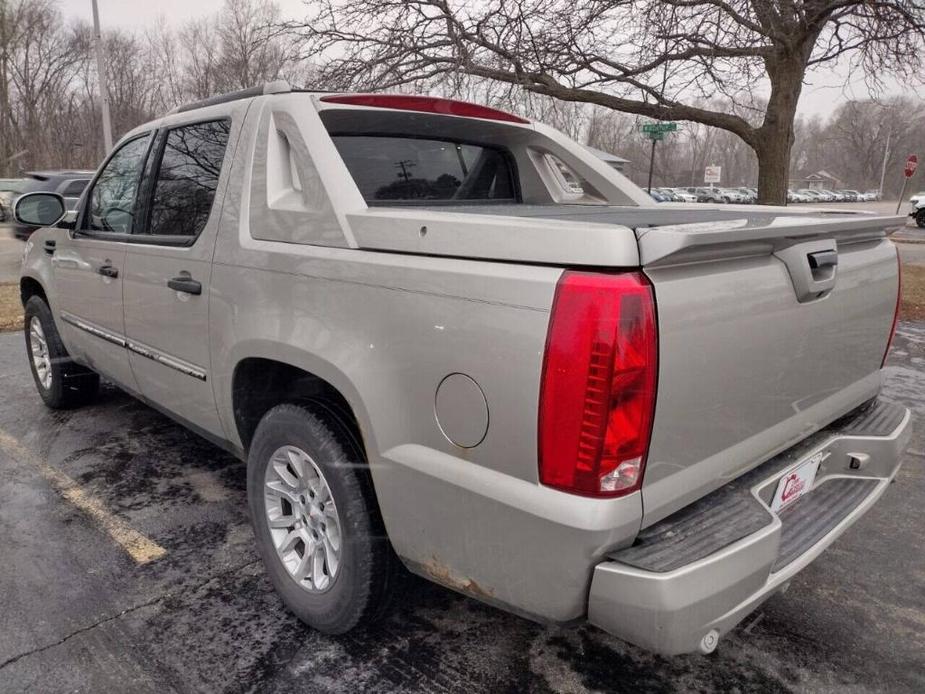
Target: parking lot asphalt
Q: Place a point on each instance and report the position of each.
(79, 613)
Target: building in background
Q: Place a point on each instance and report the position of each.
(820, 180)
(612, 160)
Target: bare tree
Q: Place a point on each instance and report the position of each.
(49, 99)
(201, 59)
(860, 133)
(250, 49)
(41, 60)
(646, 57)
(165, 59)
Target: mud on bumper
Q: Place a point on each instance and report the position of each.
(693, 576)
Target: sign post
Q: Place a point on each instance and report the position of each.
(656, 132)
(912, 163)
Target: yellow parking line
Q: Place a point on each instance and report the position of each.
(139, 547)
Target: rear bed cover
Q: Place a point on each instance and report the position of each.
(579, 234)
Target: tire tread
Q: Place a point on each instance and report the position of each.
(72, 385)
(375, 578)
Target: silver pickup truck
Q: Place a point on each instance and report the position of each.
(448, 338)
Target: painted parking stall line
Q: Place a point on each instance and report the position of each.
(140, 548)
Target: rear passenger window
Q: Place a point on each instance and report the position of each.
(403, 170)
(187, 179)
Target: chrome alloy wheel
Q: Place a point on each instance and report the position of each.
(41, 359)
(302, 518)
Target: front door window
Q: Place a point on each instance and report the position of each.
(111, 207)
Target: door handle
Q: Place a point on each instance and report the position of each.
(185, 284)
(108, 271)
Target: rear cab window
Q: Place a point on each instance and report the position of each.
(408, 170)
(403, 157)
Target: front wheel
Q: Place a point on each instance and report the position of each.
(316, 520)
(920, 218)
(60, 381)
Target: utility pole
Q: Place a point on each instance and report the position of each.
(101, 76)
(886, 155)
(5, 144)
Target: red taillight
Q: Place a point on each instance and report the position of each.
(424, 104)
(899, 297)
(597, 396)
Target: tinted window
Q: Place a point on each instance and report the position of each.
(187, 178)
(74, 188)
(112, 200)
(402, 169)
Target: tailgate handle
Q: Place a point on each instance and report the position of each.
(822, 259)
(812, 266)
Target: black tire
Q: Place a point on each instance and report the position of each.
(71, 384)
(362, 586)
(920, 218)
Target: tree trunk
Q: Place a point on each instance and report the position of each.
(773, 169)
(774, 139)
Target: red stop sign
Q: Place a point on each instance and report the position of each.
(911, 164)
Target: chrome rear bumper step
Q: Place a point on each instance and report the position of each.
(735, 511)
(693, 576)
(813, 516)
(877, 419)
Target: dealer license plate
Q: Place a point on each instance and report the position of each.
(797, 482)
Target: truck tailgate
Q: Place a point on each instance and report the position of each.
(762, 341)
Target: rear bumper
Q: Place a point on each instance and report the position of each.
(692, 577)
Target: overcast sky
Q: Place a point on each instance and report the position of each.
(823, 91)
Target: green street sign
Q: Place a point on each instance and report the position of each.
(654, 134)
(665, 127)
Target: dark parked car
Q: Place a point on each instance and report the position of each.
(713, 195)
(69, 184)
(10, 188)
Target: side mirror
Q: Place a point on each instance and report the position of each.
(39, 209)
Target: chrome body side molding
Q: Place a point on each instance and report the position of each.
(136, 347)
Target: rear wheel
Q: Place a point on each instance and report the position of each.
(920, 218)
(316, 520)
(60, 381)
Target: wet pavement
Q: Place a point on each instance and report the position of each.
(77, 613)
